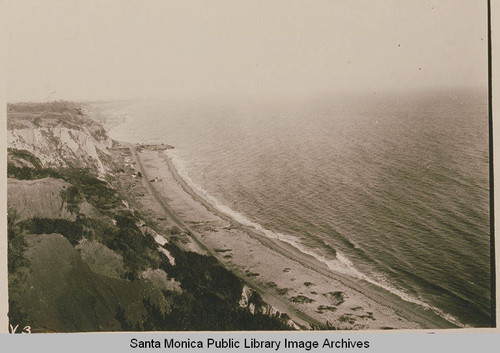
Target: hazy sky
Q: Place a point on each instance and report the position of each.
(123, 49)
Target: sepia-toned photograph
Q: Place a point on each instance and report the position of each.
(248, 165)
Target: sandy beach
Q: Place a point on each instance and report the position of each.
(289, 280)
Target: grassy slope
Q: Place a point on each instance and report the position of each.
(64, 295)
(53, 288)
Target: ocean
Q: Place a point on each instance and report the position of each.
(393, 189)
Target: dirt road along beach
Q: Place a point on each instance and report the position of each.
(291, 281)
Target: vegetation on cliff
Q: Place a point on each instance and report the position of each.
(91, 270)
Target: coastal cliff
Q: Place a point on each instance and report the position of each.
(59, 135)
(84, 256)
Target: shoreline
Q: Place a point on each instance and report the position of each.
(297, 316)
(395, 312)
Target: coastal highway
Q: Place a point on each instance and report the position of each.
(302, 319)
(410, 311)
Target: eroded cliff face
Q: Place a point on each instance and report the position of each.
(43, 198)
(70, 268)
(252, 301)
(60, 139)
(79, 244)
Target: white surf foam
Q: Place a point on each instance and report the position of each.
(340, 264)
